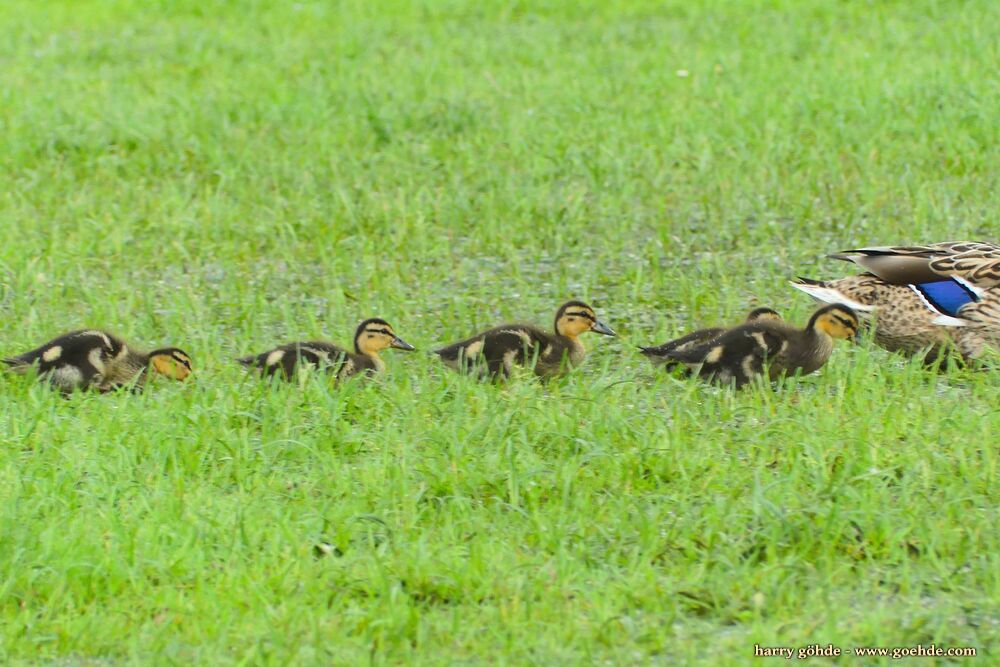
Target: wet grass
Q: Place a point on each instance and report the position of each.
(226, 176)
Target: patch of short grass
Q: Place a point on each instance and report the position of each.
(226, 176)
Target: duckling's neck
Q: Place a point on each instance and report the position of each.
(576, 349)
(820, 344)
(376, 360)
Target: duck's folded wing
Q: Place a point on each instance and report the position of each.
(979, 271)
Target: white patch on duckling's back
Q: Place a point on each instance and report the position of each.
(97, 334)
(508, 361)
(473, 349)
(714, 355)
(96, 359)
(522, 334)
(52, 353)
(322, 354)
(274, 357)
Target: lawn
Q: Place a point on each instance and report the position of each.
(225, 176)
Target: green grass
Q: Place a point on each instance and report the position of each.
(224, 176)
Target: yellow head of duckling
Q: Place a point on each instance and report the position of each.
(576, 317)
(836, 321)
(171, 362)
(375, 335)
(764, 315)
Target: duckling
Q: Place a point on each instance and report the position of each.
(370, 338)
(92, 359)
(659, 354)
(910, 291)
(495, 352)
(770, 347)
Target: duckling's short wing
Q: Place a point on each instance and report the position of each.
(75, 359)
(497, 349)
(693, 339)
(738, 355)
(284, 359)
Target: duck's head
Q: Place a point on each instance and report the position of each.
(172, 362)
(375, 335)
(575, 317)
(836, 321)
(763, 315)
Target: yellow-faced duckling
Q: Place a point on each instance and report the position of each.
(371, 337)
(497, 351)
(773, 347)
(91, 359)
(909, 292)
(659, 355)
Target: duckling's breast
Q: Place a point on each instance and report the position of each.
(812, 357)
(555, 354)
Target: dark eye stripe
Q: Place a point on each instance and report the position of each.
(586, 315)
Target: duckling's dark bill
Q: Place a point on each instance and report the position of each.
(602, 328)
(401, 344)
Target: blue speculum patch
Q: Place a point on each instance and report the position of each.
(946, 296)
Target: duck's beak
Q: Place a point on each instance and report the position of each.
(602, 328)
(401, 344)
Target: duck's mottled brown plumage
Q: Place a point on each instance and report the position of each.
(900, 321)
(901, 317)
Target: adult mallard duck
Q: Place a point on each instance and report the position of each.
(911, 292)
(495, 352)
(92, 359)
(770, 348)
(370, 338)
(660, 354)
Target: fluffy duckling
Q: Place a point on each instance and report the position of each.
(91, 359)
(659, 355)
(909, 292)
(770, 346)
(371, 337)
(496, 351)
